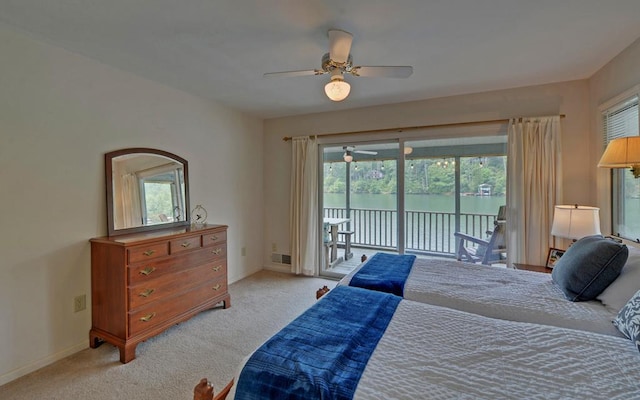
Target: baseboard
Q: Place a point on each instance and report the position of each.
(278, 268)
(27, 369)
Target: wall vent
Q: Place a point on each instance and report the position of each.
(281, 258)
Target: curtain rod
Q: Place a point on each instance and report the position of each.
(413, 128)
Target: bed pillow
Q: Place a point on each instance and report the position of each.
(589, 266)
(618, 293)
(628, 320)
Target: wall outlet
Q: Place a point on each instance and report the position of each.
(274, 248)
(80, 303)
(243, 251)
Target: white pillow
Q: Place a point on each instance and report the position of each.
(618, 293)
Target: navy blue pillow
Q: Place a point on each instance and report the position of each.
(589, 266)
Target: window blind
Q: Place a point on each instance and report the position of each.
(621, 120)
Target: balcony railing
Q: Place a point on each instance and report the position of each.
(425, 231)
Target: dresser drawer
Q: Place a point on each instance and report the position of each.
(148, 271)
(147, 252)
(214, 239)
(217, 251)
(184, 244)
(161, 311)
(170, 284)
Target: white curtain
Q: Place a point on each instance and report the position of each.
(304, 206)
(534, 187)
(131, 210)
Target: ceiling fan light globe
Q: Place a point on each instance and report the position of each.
(347, 157)
(337, 89)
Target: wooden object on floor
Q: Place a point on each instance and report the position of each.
(204, 391)
(535, 268)
(321, 292)
(144, 283)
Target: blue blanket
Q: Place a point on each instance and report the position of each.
(384, 273)
(322, 353)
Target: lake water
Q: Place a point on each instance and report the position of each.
(418, 202)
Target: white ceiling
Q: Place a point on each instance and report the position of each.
(219, 49)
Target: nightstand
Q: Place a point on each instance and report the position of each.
(535, 268)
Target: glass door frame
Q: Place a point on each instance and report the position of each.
(456, 152)
(399, 159)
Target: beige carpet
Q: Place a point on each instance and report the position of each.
(168, 366)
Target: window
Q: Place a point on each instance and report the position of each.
(620, 119)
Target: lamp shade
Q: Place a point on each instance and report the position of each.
(575, 222)
(337, 89)
(622, 153)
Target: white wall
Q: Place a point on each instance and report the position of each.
(59, 114)
(569, 98)
(617, 76)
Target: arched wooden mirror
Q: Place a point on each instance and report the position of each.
(147, 189)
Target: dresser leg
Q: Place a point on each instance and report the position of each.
(227, 302)
(94, 340)
(128, 352)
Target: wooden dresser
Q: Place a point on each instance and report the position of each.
(142, 284)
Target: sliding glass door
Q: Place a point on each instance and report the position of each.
(359, 204)
(452, 185)
(447, 186)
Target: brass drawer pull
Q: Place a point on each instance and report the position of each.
(147, 318)
(186, 244)
(147, 271)
(146, 293)
(214, 237)
(149, 252)
(217, 268)
(217, 251)
(217, 286)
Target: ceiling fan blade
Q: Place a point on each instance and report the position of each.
(305, 72)
(339, 45)
(383, 72)
(366, 152)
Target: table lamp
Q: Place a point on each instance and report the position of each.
(575, 222)
(622, 153)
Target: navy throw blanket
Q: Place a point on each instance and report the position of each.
(323, 352)
(384, 273)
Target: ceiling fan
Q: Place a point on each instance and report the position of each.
(349, 150)
(338, 62)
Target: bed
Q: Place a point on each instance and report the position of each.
(495, 292)
(428, 351)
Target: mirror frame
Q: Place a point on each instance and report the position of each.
(108, 163)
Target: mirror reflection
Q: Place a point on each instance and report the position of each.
(148, 189)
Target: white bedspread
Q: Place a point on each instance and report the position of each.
(431, 352)
(503, 293)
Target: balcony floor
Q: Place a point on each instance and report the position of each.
(345, 267)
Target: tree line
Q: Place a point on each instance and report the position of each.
(423, 176)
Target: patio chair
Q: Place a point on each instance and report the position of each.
(485, 251)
